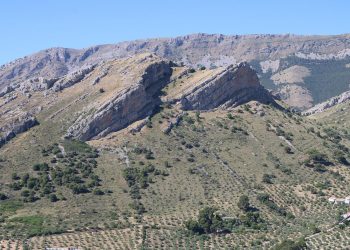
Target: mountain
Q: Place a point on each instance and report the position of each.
(141, 152)
(303, 70)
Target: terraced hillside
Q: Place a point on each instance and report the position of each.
(139, 184)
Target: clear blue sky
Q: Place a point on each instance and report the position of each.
(29, 26)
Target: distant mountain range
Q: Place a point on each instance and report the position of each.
(303, 70)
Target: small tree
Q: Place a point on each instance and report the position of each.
(267, 178)
(3, 196)
(53, 198)
(198, 118)
(243, 203)
(208, 222)
(288, 150)
(15, 176)
(230, 116)
(291, 245)
(98, 191)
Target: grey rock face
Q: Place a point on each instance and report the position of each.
(21, 125)
(135, 102)
(328, 104)
(229, 88)
(72, 78)
(6, 90)
(36, 84)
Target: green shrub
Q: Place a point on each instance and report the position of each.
(15, 176)
(53, 197)
(98, 191)
(243, 203)
(3, 197)
(291, 245)
(267, 178)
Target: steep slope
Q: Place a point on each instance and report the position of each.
(207, 50)
(136, 100)
(134, 93)
(222, 88)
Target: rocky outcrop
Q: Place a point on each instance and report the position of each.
(328, 104)
(135, 102)
(19, 126)
(205, 49)
(230, 87)
(37, 84)
(6, 90)
(72, 78)
(225, 88)
(173, 122)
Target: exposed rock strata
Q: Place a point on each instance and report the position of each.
(135, 102)
(6, 90)
(229, 88)
(19, 126)
(328, 104)
(72, 78)
(205, 49)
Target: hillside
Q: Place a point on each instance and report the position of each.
(122, 154)
(322, 60)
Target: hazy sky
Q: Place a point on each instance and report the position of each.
(29, 26)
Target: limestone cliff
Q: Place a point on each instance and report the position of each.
(134, 102)
(221, 88)
(21, 125)
(230, 87)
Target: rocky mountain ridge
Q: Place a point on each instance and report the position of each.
(334, 101)
(131, 89)
(165, 141)
(194, 51)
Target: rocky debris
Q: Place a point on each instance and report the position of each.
(230, 87)
(37, 84)
(6, 90)
(261, 113)
(172, 123)
(139, 126)
(10, 98)
(102, 74)
(136, 101)
(72, 78)
(21, 125)
(328, 104)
